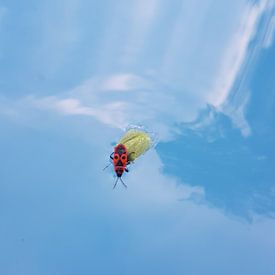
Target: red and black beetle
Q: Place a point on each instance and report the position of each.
(120, 161)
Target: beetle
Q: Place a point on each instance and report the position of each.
(134, 143)
(119, 158)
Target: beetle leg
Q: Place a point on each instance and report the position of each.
(111, 156)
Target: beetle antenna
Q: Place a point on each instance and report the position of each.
(123, 183)
(115, 183)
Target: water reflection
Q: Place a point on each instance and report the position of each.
(236, 172)
(234, 176)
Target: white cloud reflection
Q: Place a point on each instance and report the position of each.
(193, 69)
(173, 74)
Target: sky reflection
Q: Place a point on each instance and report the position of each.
(236, 172)
(74, 73)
